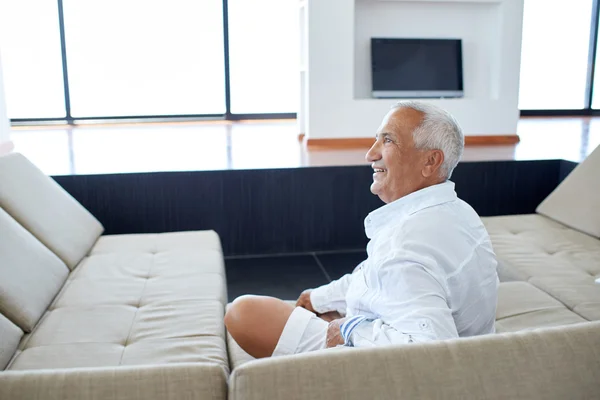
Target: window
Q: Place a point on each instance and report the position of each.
(145, 58)
(264, 58)
(554, 56)
(31, 59)
(596, 91)
(136, 58)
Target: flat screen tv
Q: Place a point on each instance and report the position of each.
(416, 68)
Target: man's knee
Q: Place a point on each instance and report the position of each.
(249, 313)
(242, 307)
(256, 323)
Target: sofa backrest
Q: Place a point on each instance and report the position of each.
(30, 274)
(576, 200)
(551, 364)
(10, 336)
(46, 210)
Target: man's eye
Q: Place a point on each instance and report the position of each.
(387, 140)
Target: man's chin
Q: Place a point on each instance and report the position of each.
(375, 188)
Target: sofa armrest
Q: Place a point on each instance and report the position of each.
(173, 381)
(553, 363)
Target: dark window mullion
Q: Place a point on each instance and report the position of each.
(63, 48)
(226, 55)
(592, 56)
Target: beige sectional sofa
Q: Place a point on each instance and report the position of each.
(87, 316)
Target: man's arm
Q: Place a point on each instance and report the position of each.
(412, 308)
(329, 297)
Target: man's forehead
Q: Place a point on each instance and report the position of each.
(399, 121)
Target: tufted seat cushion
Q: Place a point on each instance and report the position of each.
(560, 261)
(136, 299)
(522, 306)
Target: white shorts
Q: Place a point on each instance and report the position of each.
(303, 332)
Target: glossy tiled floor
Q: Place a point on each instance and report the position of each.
(251, 145)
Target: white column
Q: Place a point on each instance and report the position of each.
(5, 143)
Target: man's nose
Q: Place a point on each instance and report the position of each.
(373, 154)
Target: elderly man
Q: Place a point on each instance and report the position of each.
(430, 273)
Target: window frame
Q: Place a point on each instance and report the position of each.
(228, 116)
(589, 86)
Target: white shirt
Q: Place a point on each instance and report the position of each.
(430, 274)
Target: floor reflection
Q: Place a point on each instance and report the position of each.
(250, 145)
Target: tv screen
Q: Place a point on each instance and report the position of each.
(404, 68)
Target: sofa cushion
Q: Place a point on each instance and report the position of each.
(590, 311)
(581, 294)
(46, 210)
(533, 245)
(206, 381)
(30, 274)
(553, 257)
(179, 244)
(576, 200)
(550, 364)
(159, 300)
(10, 335)
(522, 306)
(77, 356)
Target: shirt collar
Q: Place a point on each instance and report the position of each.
(428, 197)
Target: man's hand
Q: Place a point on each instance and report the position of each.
(329, 316)
(334, 335)
(304, 301)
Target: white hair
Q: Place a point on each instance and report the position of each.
(439, 130)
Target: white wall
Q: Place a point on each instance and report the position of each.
(4, 124)
(338, 102)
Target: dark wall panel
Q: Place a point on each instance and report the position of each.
(506, 187)
(566, 167)
(287, 210)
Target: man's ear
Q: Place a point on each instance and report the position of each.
(433, 162)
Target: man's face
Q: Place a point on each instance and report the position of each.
(400, 168)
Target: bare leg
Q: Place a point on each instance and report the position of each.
(256, 323)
